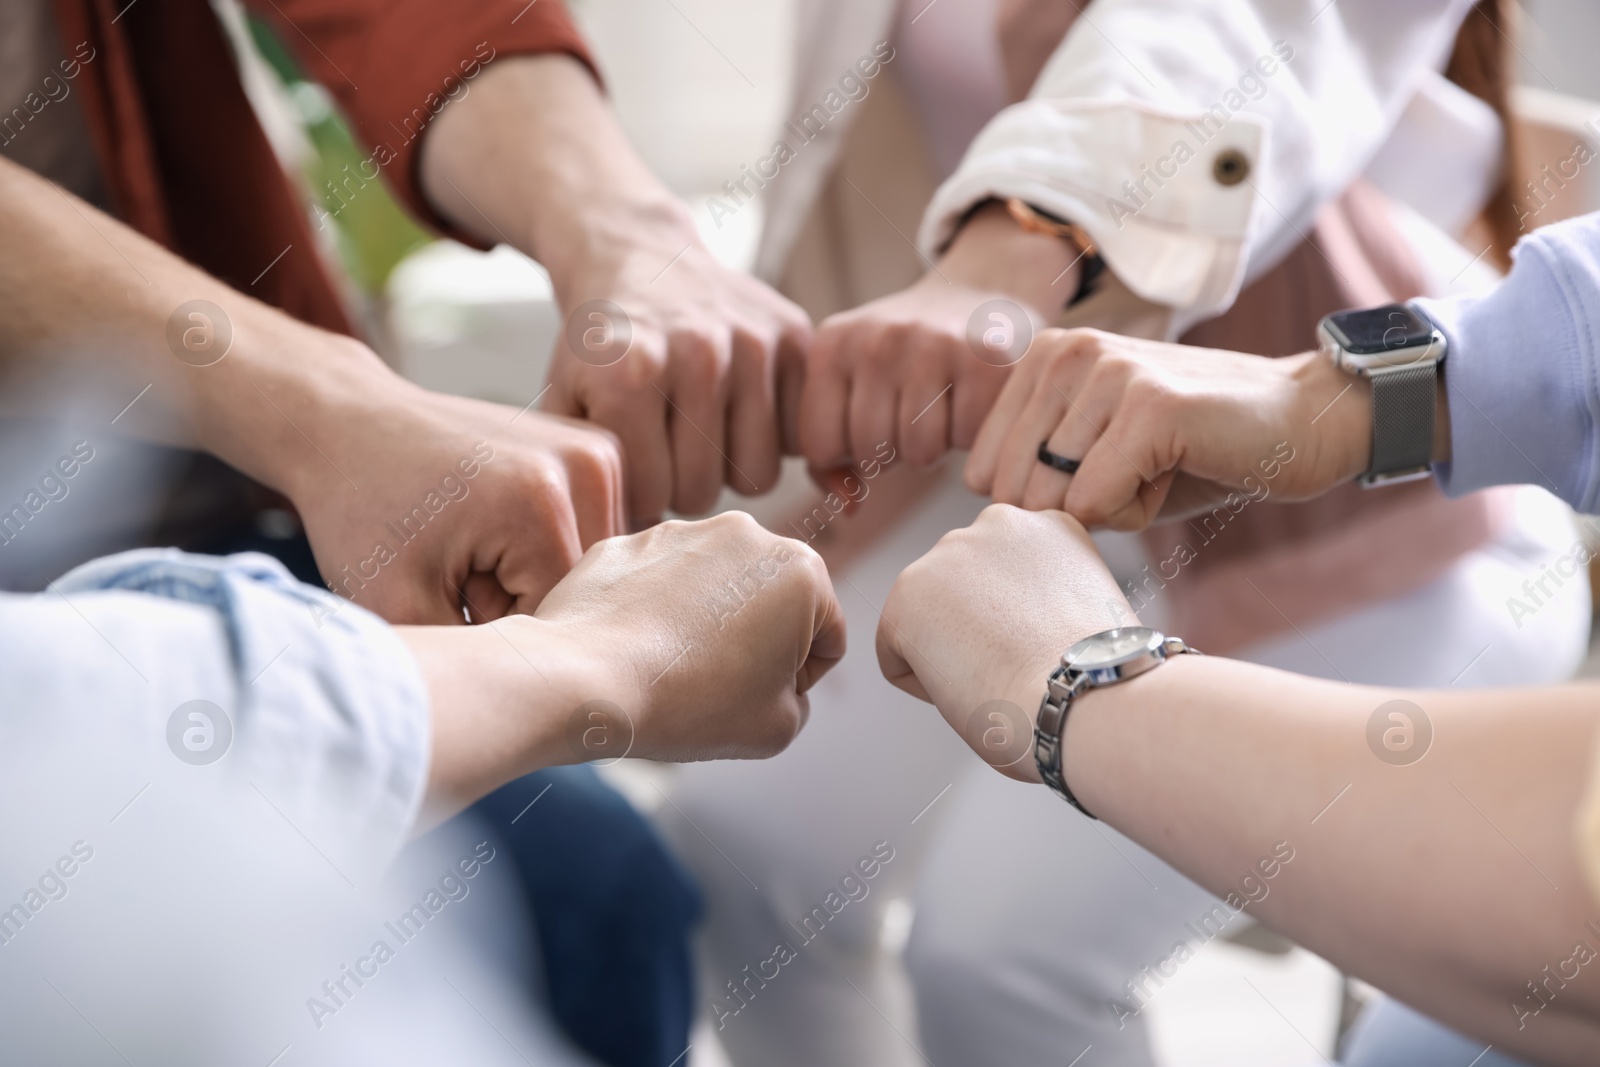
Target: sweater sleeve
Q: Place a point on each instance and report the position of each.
(394, 64)
(1521, 375)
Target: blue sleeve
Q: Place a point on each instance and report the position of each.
(1521, 376)
(171, 662)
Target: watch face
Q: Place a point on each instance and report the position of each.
(1112, 647)
(1383, 329)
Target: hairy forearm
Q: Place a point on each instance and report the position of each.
(92, 311)
(534, 156)
(1451, 881)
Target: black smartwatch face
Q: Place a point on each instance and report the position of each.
(1383, 329)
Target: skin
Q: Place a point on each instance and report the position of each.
(1168, 430)
(1449, 883)
(85, 305)
(534, 157)
(880, 372)
(703, 636)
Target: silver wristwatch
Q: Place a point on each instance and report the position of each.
(1101, 659)
(1399, 349)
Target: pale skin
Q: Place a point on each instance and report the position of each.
(644, 623)
(533, 156)
(1450, 882)
(900, 369)
(85, 304)
(1166, 430)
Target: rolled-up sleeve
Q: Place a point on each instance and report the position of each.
(1522, 373)
(1194, 142)
(394, 64)
(311, 700)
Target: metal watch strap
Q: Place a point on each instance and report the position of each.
(1063, 688)
(1059, 693)
(1402, 422)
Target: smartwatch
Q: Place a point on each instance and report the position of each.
(1398, 349)
(1101, 659)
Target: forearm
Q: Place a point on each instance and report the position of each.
(502, 697)
(1450, 881)
(534, 156)
(90, 307)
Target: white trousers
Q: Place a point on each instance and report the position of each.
(1028, 917)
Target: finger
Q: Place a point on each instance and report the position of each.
(594, 473)
(1018, 453)
(696, 420)
(639, 420)
(972, 399)
(793, 345)
(1190, 496)
(542, 544)
(988, 447)
(560, 396)
(825, 398)
(875, 395)
(1113, 474)
(1080, 427)
(753, 432)
(1144, 509)
(828, 637)
(924, 409)
(485, 598)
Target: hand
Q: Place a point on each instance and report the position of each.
(984, 618)
(902, 371)
(708, 635)
(1166, 430)
(421, 504)
(689, 378)
(689, 641)
(535, 157)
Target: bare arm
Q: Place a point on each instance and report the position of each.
(691, 372)
(92, 310)
(1450, 881)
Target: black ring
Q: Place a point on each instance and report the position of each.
(1060, 463)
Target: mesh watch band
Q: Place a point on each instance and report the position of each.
(1402, 422)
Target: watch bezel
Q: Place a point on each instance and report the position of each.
(1355, 361)
(1135, 661)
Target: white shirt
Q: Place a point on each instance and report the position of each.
(1134, 79)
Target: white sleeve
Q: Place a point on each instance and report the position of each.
(1196, 140)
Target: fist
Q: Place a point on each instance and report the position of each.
(976, 626)
(902, 371)
(710, 633)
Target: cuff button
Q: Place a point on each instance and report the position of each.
(1230, 167)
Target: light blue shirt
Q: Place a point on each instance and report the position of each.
(1522, 374)
(207, 770)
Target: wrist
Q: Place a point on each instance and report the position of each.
(285, 391)
(1107, 724)
(992, 252)
(503, 699)
(1336, 407)
(1031, 675)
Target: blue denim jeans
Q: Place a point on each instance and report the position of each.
(614, 910)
